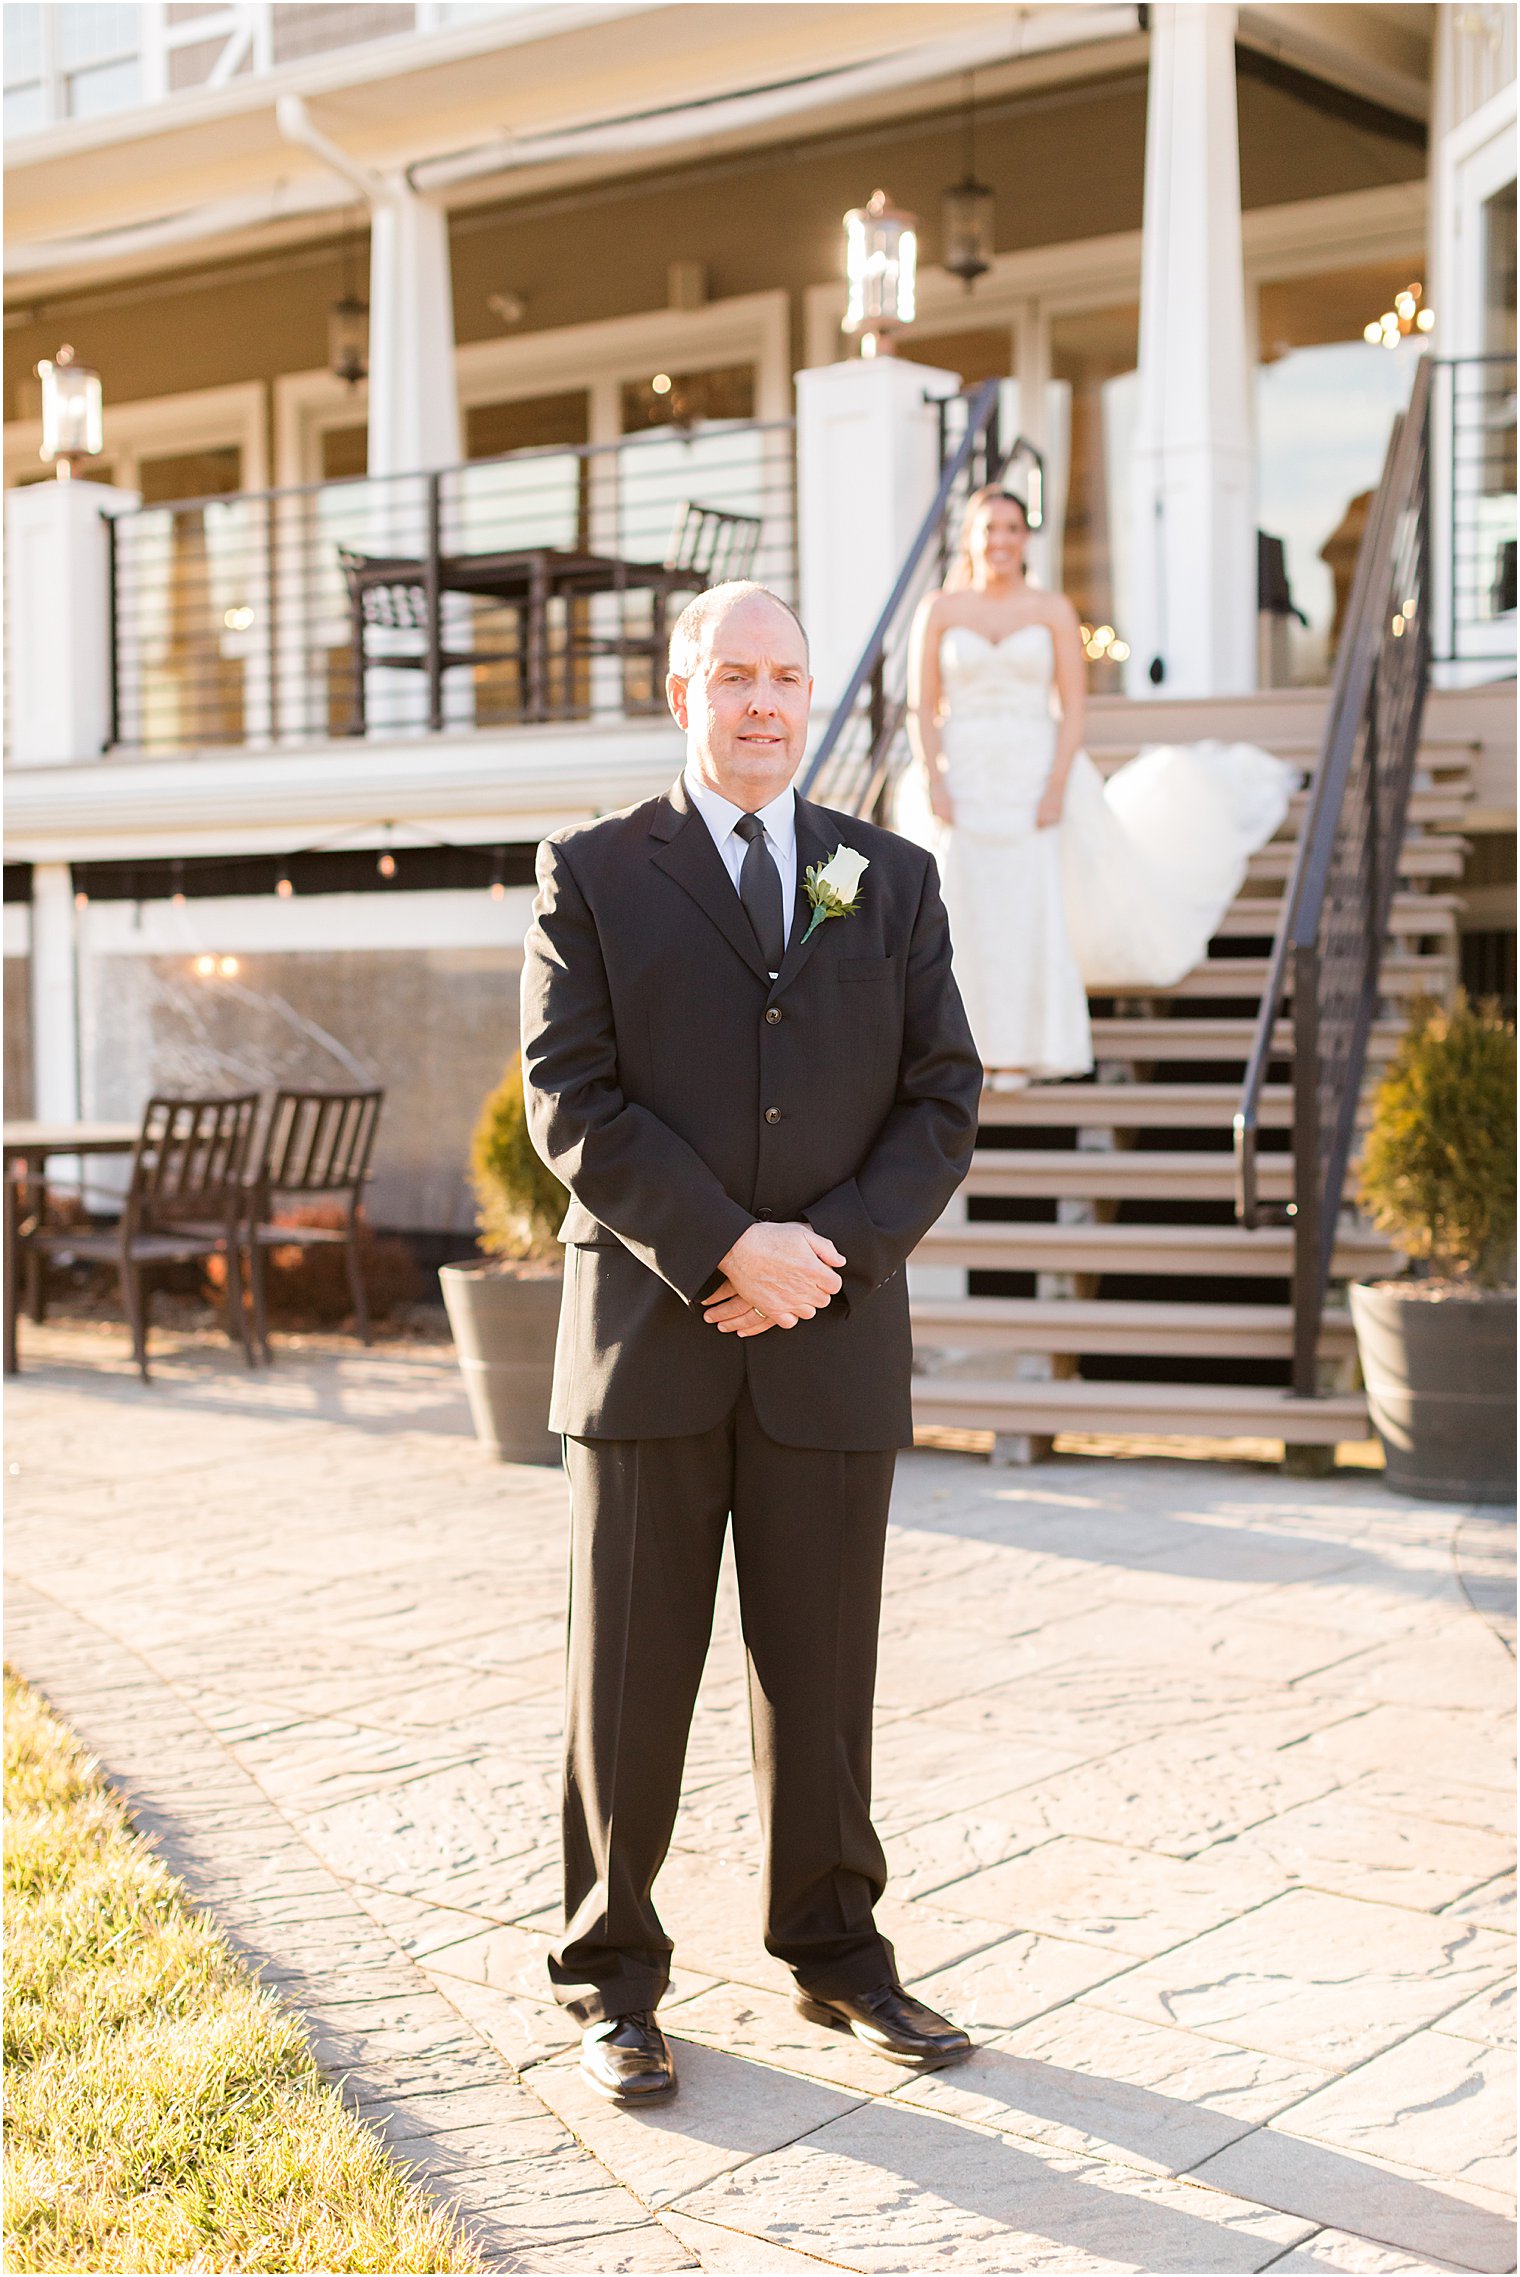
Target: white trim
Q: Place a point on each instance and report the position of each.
(318, 924)
(485, 788)
(749, 328)
(161, 426)
(308, 405)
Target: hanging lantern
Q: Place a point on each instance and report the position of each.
(73, 412)
(881, 263)
(966, 212)
(967, 227)
(348, 339)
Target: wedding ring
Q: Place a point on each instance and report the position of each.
(756, 1309)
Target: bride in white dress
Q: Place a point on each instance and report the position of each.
(1056, 882)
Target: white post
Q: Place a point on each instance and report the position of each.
(55, 999)
(413, 401)
(58, 586)
(867, 471)
(1194, 583)
(867, 468)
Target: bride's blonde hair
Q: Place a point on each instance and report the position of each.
(959, 574)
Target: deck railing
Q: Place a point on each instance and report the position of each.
(1473, 512)
(239, 619)
(1328, 953)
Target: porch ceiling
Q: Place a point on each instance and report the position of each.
(155, 187)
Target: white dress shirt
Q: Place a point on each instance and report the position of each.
(780, 821)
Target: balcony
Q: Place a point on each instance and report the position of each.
(75, 63)
(532, 590)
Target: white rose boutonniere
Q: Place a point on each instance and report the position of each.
(833, 887)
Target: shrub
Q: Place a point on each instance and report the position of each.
(519, 1200)
(1438, 1174)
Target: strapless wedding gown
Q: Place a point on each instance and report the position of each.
(1124, 894)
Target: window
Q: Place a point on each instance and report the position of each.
(1325, 401)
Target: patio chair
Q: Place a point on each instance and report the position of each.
(389, 594)
(714, 545)
(186, 1194)
(317, 1146)
(708, 546)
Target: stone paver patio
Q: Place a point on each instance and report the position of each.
(1196, 1781)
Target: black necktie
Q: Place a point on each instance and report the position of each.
(760, 891)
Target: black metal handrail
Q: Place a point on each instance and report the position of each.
(851, 767)
(1328, 951)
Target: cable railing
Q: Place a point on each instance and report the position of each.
(1473, 533)
(864, 747)
(1329, 946)
(521, 590)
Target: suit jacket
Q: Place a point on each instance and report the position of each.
(681, 1095)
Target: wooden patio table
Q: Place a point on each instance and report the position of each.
(28, 1147)
(527, 578)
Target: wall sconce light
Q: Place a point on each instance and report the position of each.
(73, 413)
(881, 263)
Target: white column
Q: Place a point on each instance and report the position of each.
(55, 995)
(58, 592)
(1194, 598)
(867, 469)
(413, 400)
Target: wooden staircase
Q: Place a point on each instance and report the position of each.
(1091, 1276)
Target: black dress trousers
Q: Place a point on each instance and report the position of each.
(648, 1523)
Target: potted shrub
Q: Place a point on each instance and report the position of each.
(504, 1309)
(1438, 1176)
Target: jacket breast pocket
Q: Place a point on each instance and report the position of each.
(865, 968)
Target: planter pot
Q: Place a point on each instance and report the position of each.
(1440, 1377)
(504, 1329)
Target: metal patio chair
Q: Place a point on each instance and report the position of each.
(708, 546)
(185, 1199)
(317, 1148)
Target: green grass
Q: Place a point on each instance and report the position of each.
(163, 2112)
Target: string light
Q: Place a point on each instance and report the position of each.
(81, 901)
(209, 967)
(284, 888)
(1397, 323)
(662, 383)
(205, 966)
(1099, 641)
(227, 967)
(386, 865)
(498, 882)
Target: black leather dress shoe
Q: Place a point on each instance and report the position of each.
(628, 2059)
(893, 2023)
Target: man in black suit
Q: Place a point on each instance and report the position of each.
(758, 1111)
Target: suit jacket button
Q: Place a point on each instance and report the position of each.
(773, 1114)
(772, 1016)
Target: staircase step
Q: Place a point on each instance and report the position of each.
(1192, 1411)
(1434, 857)
(1040, 1173)
(1131, 1106)
(1432, 803)
(1077, 1325)
(1247, 976)
(1262, 1252)
(1142, 1040)
(1412, 914)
